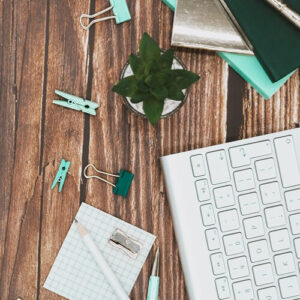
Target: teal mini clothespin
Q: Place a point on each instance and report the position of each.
(120, 11)
(61, 174)
(123, 182)
(76, 103)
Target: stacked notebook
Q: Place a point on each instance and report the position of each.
(233, 27)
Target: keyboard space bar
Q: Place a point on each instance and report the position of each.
(287, 161)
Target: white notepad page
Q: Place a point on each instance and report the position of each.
(76, 276)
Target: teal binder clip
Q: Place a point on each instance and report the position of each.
(123, 182)
(120, 11)
(61, 174)
(76, 103)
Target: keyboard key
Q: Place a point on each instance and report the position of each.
(249, 204)
(223, 288)
(258, 251)
(207, 213)
(292, 199)
(254, 227)
(218, 167)
(238, 267)
(297, 247)
(270, 193)
(284, 263)
(287, 161)
(244, 180)
(275, 216)
(242, 155)
(295, 223)
(265, 169)
(243, 290)
(198, 165)
(280, 240)
(217, 263)
(269, 293)
(229, 220)
(224, 196)
(212, 238)
(289, 287)
(202, 190)
(233, 244)
(263, 274)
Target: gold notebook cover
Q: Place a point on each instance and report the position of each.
(205, 24)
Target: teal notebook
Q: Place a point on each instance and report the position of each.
(249, 68)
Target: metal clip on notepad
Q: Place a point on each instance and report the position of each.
(120, 11)
(122, 185)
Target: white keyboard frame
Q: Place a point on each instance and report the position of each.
(184, 204)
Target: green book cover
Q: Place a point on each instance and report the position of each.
(275, 39)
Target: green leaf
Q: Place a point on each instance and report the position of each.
(157, 80)
(160, 93)
(149, 49)
(183, 78)
(139, 96)
(175, 93)
(137, 65)
(126, 86)
(153, 110)
(166, 59)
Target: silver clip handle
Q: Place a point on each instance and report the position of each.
(94, 16)
(98, 177)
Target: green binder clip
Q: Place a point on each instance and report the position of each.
(76, 103)
(61, 174)
(120, 11)
(123, 182)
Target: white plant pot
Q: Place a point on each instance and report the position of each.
(170, 106)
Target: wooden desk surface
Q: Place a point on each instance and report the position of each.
(43, 48)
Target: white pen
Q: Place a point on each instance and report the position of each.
(105, 268)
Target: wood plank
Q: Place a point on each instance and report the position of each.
(67, 65)
(280, 112)
(24, 25)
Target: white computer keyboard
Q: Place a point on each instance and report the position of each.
(236, 213)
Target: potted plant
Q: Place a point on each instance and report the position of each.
(154, 83)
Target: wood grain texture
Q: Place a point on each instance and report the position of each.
(43, 48)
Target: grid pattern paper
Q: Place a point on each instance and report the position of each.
(75, 275)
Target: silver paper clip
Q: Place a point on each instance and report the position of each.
(121, 240)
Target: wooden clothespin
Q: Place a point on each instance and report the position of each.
(76, 103)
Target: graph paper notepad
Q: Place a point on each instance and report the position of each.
(75, 275)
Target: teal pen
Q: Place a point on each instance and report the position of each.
(154, 279)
